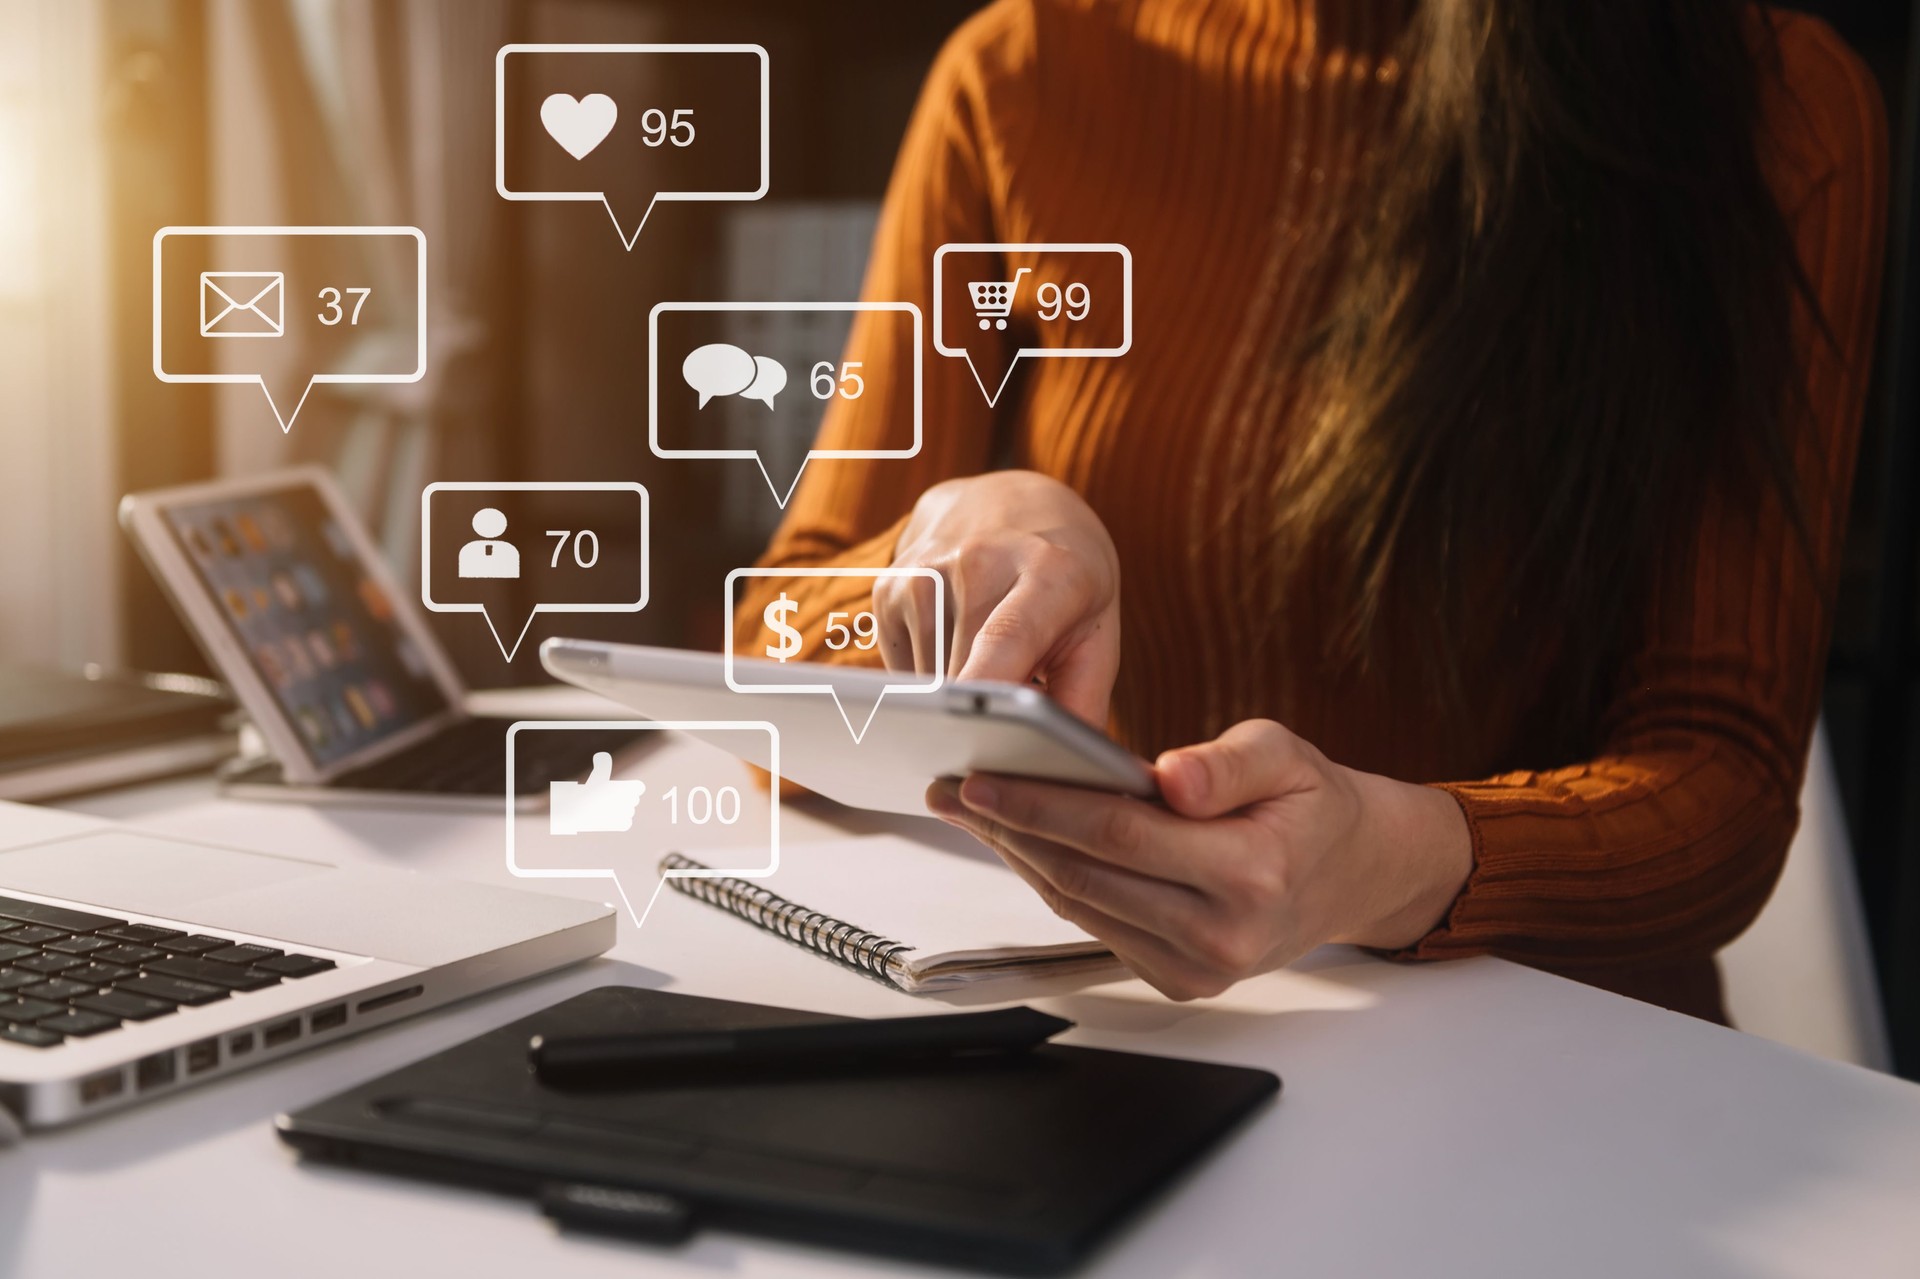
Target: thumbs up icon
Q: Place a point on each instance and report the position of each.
(599, 805)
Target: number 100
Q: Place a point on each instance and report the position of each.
(704, 805)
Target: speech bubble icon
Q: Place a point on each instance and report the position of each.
(511, 551)
(631, 125)
(875, 347)
(289, 308)
(1058, 301)
(854, 689)
(769, 379)
(719, 368)
(679, 801)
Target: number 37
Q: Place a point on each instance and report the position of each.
(334, 314)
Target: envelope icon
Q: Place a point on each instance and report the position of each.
(242, 304)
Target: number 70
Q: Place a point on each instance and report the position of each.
(582, 556)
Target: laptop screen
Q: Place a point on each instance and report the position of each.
(318, 629)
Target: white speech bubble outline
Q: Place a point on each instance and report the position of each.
(526, 486)
(939, 638)
(682, 726)
(626, 241)
(653, 384)
(356, 379)
(1035, 352)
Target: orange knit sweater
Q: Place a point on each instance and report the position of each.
(1218, 139)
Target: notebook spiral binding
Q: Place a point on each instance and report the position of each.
(845, 942)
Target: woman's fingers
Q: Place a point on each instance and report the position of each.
(919, 622)
(1116, 829)
(971, 601)
(1032, 578)
(1149, 957)
(1039, 630)
(893, 616)
(1022, 628)
(1155, 906)
(1254, 760)
(1081, 674)
(906, 609)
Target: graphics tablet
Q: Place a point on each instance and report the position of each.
(910, 739)
(1021, 1166)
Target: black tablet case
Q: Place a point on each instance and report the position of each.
(1018, 1166)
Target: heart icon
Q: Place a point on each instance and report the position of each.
(579, 124)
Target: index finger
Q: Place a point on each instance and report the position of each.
(1022, 638)
(1017, 635)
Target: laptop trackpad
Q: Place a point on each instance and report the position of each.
(124, 871)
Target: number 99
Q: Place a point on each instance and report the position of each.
(1077, 299)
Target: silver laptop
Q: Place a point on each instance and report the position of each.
(352, 695)
(134, 964)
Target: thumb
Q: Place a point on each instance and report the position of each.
(602, 767)
(1254, 760)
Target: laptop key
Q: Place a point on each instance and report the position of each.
(246, 953)
(79, 1023)
(15, 978)
(10, 952)
(193, 944)
(141, 933)
(296, 965)
(59, 989)
(28, 1010)
(191, 993)
(95, 975)
(120, 1003)
(72, 921)
(47, 965)
(79, 945)
(31, 1036)
(34, 934)
(126, 954)
(205, 970)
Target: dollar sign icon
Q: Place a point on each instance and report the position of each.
(775, 616)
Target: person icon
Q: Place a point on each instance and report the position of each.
(487, 555)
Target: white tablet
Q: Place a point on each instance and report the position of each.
(297, 611)
(912, 739)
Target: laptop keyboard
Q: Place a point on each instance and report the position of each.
(67, 972)
(469, 758)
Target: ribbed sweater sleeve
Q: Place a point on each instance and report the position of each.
(1667, 843)
(848, 513)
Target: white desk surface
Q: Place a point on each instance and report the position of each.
(1475, 1119)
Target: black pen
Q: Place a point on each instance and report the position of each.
(775, 1051)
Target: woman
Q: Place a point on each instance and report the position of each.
(1476, 478)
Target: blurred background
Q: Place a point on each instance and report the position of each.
(118, 117)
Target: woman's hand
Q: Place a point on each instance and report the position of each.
(1033, 588)
(1265, 849)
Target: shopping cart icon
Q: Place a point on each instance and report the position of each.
(993, 299)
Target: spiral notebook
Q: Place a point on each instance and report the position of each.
(918, 917)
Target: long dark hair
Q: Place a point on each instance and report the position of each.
(1567, 313)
